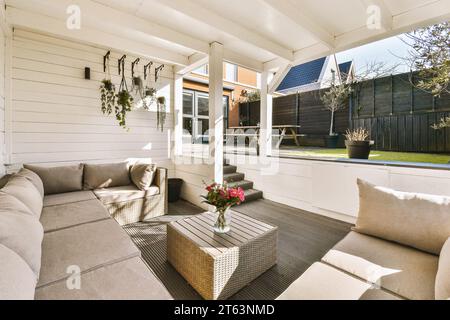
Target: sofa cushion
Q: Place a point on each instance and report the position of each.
(22, 189)
(88, 246)
(4, 180)
(142, 175)
(443, 274)
(21, 231)
(109, 175)
(123, 194)
(418, 220)
(405, 271)
(323, 282)
(17, 280)
(71, 214)
(59, 179)
(129, 279)
(69, 197)
(34, 179)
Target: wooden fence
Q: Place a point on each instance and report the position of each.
(398, 115)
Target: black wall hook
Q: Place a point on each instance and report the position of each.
(122, 64)
(105, 59)
(133, 64)
(157, 71)
(147, 68)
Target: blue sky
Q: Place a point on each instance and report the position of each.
(386, 51)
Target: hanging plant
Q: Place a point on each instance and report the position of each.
(124, 100)
(108, 96)
(149, 97)
(161, 112)
(124, 105)
(107, 89)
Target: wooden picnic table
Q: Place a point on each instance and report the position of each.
(286, 131)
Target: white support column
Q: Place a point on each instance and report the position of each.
(216, 109)
(265, 136)
(178, 114)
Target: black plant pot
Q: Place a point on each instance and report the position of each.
(358, 149)
(331, 142)
(174, 189)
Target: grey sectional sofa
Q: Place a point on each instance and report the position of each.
(399, 249)
(67, 245)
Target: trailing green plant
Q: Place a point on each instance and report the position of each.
(108, 96)
(124, 105)
(149, 97)
(161, 112)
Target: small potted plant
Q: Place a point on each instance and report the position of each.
(357, 143)
(223, 198)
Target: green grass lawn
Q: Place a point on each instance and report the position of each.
(374, 155)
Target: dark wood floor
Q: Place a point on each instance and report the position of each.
(303, 239)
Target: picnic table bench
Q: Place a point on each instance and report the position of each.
(252, 132)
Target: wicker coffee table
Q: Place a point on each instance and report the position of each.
(219, 265)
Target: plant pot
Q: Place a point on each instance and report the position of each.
(358, 149)
(331, 142)
(174, 189)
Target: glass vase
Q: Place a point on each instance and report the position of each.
(223, 222)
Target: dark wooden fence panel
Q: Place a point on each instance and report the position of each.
(408, 133)
(398, 116)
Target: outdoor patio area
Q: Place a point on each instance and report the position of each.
(303, 239)
(254, 152)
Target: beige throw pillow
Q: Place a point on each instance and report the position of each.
(442, 284)
(98, 176)
(59, 179)
(418, 220)
(22, 189)
(142, 175)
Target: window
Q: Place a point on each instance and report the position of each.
(196, 116)
(231, 72)
(203, 70)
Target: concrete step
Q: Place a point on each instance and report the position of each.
(233, 177)
(244, 184)
(252, 195)
(229, 169)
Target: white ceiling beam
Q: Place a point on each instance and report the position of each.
(243, 61)
(195, 61)
(110, 20)
(217, 21)
(385, 16)
(423, 16)
(278, 77)
(56, 27)
(302, 19)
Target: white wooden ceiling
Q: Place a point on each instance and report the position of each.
(255, 33)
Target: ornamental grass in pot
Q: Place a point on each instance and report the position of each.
(358, 143)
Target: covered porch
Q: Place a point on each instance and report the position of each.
(57, 54)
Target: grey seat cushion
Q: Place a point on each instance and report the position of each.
(106, 175)
(59, 179)
(323, 282)
(17, 280)
(405, 271)
(72, 214)
(88, 246)
(26, 192)
(69, 197)
(129, 279)
(21, 231)
(124, 193)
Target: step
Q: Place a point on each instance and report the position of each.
(244, 184)
(233, 177)
(229, 169)
(252, 195)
